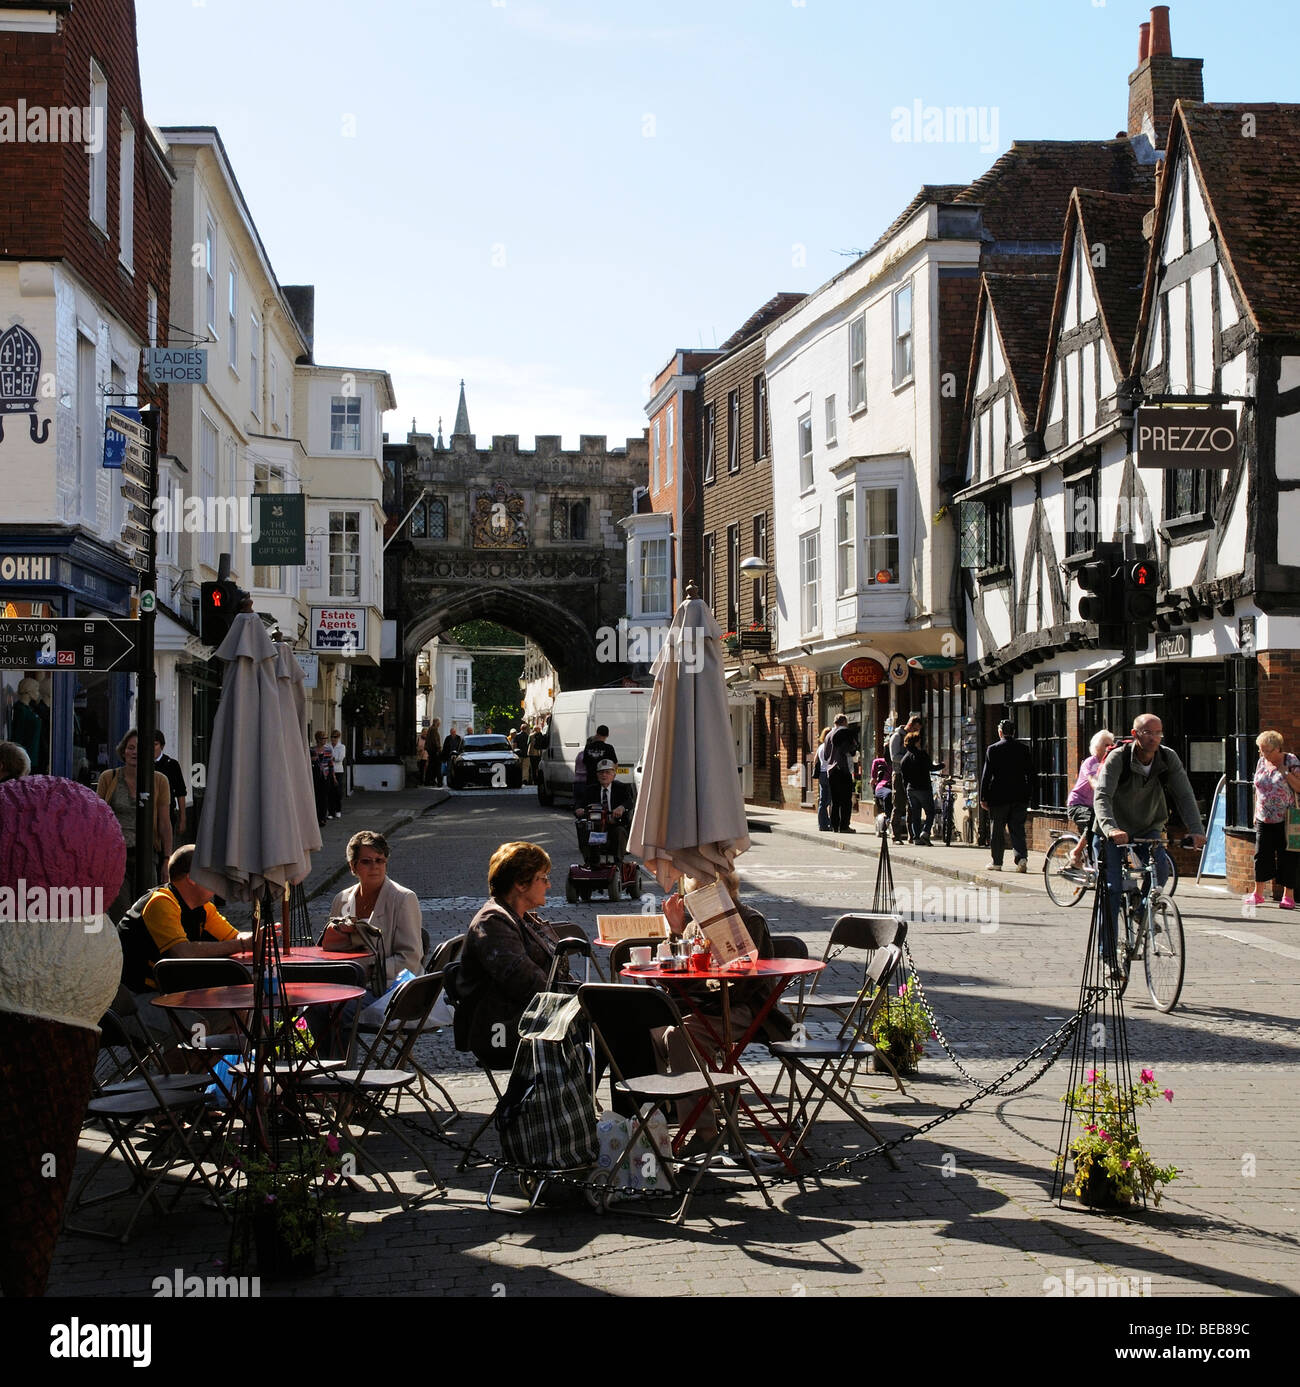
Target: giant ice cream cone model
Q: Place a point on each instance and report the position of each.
(62, 859)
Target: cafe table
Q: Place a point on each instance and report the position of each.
(241, 998)
(779, 973)
(308, 953)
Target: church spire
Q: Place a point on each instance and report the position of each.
(462, 415)
(441, 445)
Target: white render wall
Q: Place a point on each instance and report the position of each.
(895, 437)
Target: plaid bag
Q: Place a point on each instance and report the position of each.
(546, 1118)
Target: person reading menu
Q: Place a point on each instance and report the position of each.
(746, 999)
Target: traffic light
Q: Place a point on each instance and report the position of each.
(1101, 581)
(219, 605)
(1140, 581)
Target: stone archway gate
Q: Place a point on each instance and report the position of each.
(527, 539)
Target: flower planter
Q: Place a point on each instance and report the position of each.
(1099, 1192)
(275, 1262)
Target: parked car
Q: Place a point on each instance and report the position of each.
(485, 760)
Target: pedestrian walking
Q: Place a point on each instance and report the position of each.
(897, 748)
(843, 751)
(821, 766)
(322, 777)
(451, 746)
(916, 769)
(1006, 791)
(1277, 777)
(433, 743)
(339, 752)
(536, 745)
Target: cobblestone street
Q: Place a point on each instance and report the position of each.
(968, 1212)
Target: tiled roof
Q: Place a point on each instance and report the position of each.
(1113, 222)
(930, 192)
(774, 308)
(1022, 307)
(1248, 158)
(1025, 193)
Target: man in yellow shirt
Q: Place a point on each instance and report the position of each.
(182, 921)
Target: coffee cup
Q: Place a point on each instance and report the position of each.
(640, 956)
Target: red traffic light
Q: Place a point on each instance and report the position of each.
(1142, 576)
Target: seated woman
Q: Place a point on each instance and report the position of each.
(745, 1000)
(391, 909)
(507, 955)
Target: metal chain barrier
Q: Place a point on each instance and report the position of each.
(943, 1039)
(1056, 1043)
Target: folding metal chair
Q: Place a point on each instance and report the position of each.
(621, 1021)
(847, 1048)
(621, 953)
(187, 974)
(381, 1075)
(864, 932)
(163, 1121)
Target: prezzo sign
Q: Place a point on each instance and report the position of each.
(1174, 645)
(340, 629)
(1180, 438)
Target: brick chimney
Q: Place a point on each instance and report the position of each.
(1159, 80)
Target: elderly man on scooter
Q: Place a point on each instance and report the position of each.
(617, 800)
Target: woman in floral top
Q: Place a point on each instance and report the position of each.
(1276, 776)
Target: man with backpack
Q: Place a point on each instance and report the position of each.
(1130, 799)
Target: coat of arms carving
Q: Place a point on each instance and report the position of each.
(499, 520)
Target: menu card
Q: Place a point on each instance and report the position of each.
(612, 928)
(715, 912)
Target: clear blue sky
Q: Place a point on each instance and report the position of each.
(547, 199)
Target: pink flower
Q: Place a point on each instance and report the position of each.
(934, 1035)
(1105, 1136)
(330, 1177)
(1090, 1129)
(270, 1199)
(1125, 1164)
(1090, 1077)
(301, 1023)
(1148, 1076)
(902, 989)
(332, 1144)
(1169, 1095)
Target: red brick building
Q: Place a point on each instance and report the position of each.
(85, 256)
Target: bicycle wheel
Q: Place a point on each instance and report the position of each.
(1164, 955)
(1165, 865)
(1064, 890)
(947, 824)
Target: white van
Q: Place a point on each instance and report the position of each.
(574, 720)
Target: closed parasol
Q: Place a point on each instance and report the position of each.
(690, 813)
(258, 826)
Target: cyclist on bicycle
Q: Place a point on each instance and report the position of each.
(1078, 807)
(1130, 803)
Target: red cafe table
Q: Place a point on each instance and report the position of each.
(241, 998)
(780, 972)
(307, 953)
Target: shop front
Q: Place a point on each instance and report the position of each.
(69, 723)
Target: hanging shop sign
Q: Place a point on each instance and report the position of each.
(176, 365)
(1181, 438)
(341, 630)
(1047, 683)
(932, 662)
(898, 669)
(281, 528)
(862, 673)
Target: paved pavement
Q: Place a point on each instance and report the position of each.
(968, 1212)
